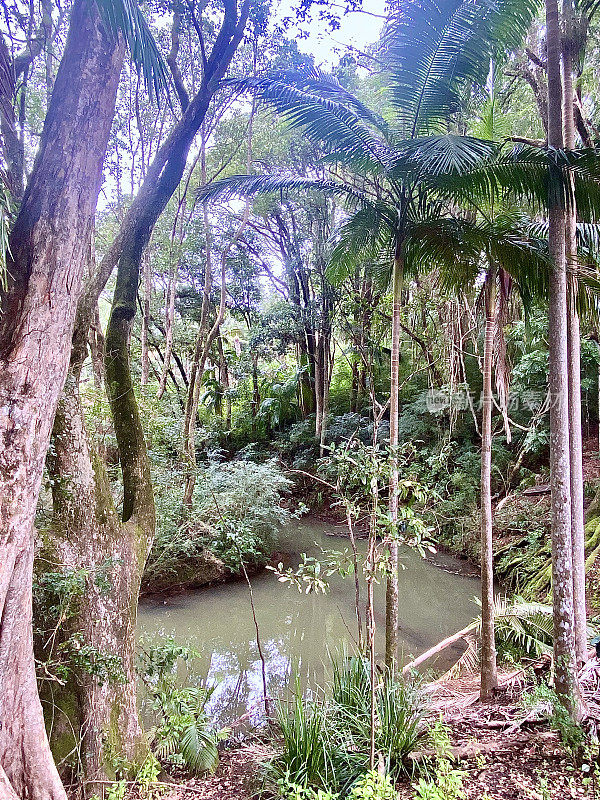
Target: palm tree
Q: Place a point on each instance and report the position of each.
(560, 462)
(577, 16)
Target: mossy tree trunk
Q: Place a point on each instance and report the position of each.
(48, 250)
(88, 535)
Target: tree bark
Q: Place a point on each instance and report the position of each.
(391, 590)
(574, 354)
(489, 673)
(560, 472)
(49, 244)
(147, 286)
(87, 534)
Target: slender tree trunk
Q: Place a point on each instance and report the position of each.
(560, 472)
(147, 285)
(327, 370)
(203, 346)
(96, 345)
(169, 324)
(489, 674)
(199, 359)
(371, 627)
(49, 244)
(359, 625)
(574, 354)
(354, 386)
(318, 373)
(598, 379)
(255, 388)
(391, 592)
(225, 406)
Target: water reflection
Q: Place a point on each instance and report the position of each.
(297, 631)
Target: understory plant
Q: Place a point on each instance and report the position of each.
(544, 702)
(445, 784)
(442, 781)
(182, 733)
(246, 493)
(325, 740)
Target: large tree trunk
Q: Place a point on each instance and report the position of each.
(574, 355)
(489, 674)
(562, 557)
(49, 245)
(87, 534)
(391, 590)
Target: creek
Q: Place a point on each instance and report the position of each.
(298, 631)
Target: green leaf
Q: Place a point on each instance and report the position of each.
(126, 18)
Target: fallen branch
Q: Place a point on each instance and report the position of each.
(433, 651)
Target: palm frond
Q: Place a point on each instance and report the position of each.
(460, 251)
(126, 17)
(441, 155)
(435, 48)
(529, 626)
(451, 246)
(252, 185)
(198, 747)
(315, 81)
(518, 624)
(533, 175)
(492, 124)
(367, 236)
(337, 120)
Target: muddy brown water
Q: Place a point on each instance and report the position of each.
(299, 631)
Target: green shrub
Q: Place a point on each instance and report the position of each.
(240, 502)
(236, 514)
(287, 790)
(373, 786)
(446, 784)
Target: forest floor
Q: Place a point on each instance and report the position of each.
(502, 755)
